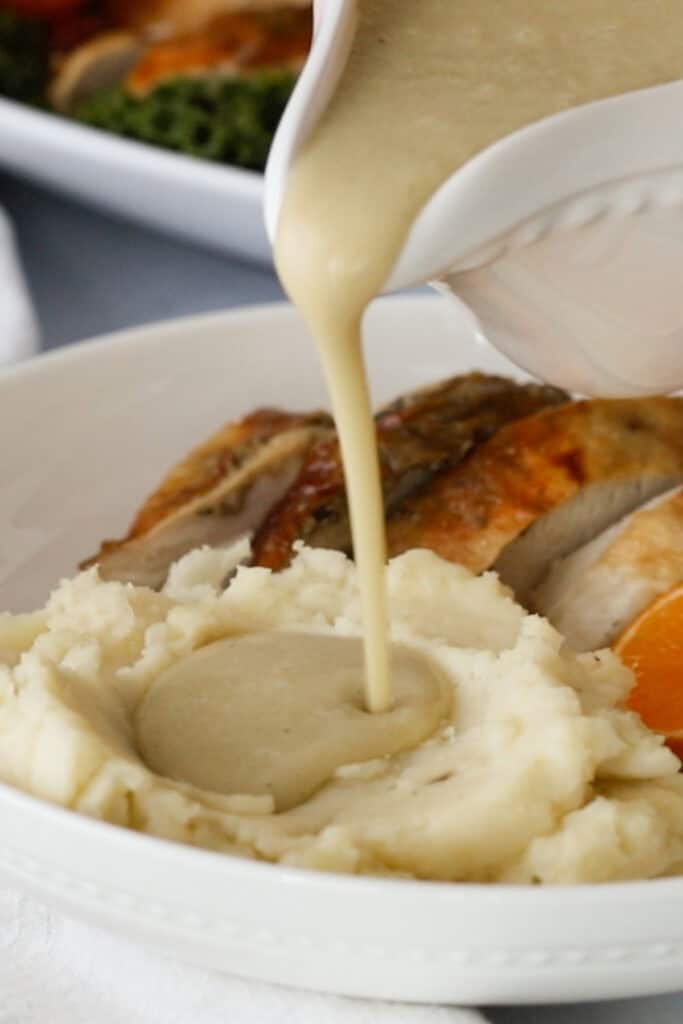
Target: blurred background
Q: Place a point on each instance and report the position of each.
(82, 84)
(89, 273)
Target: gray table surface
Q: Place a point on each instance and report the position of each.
(90, 274)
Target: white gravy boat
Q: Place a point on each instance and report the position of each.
(565, 238)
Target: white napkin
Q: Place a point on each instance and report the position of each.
(57, 971)
(19, 334)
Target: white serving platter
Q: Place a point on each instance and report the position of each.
(87, 432)
(212, 204)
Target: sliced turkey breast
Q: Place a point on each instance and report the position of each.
(218, 493)
(418, 436)
(286, 469)
(594, 594)
(545, 485)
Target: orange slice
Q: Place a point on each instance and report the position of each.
(652, 647)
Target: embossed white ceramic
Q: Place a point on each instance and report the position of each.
(86, 432)
(565, 238)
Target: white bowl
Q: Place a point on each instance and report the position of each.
(87, 432)
(212, 204)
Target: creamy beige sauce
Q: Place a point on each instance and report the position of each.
(275, 714)
(430, 83)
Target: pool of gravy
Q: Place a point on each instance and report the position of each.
(275, 714)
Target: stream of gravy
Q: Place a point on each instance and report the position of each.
(428, 84)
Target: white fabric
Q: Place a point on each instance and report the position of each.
(57, 971)
(19, 334)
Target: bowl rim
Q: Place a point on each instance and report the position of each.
(58, 130)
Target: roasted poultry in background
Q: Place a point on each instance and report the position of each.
(204, 78)
(146, 44)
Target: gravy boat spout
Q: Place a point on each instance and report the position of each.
(565, 238)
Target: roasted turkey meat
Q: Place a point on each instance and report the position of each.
(217, 494)
(484, 471)
(420, 436)
(285, 469)
(592, 595)
(544, 485)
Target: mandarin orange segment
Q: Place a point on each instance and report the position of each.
(653, 648)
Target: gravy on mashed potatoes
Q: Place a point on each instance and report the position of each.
(534, 772)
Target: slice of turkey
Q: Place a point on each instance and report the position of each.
(595, 593)
(217, 494)
(419, 436)
(544, 486)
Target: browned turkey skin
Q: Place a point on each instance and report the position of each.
(280, 475)
(544, 485)
(484, 471)
(217, 494)
(419, 437)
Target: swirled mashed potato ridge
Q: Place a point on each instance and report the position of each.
(538, 775)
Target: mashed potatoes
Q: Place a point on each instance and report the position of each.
(538, 774)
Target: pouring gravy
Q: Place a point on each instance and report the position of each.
(428, 85)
